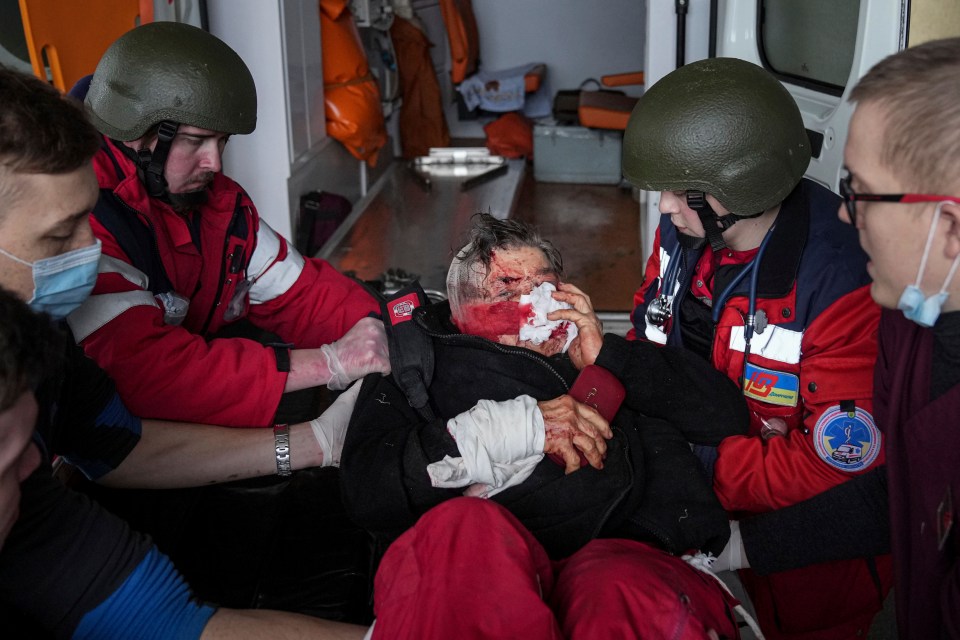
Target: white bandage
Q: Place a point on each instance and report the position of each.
(500, 443)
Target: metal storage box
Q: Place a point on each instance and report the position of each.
(576, 154)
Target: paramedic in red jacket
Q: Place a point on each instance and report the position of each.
(752, 270)
(185, 253)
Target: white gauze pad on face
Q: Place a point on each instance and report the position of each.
(536, 328)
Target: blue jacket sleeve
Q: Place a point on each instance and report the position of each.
(64, 555)
(153, 602)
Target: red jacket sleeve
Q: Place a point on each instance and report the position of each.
(838, 355)
(318, 309)
(167, 372)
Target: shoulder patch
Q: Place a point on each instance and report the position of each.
(847, 440)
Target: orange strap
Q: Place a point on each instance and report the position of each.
(621, 79)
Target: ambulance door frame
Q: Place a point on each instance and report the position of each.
(825, 114)
(882, 29)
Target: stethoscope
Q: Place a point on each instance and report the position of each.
(753, 322)
(660, 309)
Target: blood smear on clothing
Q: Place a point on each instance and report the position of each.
(491, 320)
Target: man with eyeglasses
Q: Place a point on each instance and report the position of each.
(902, 193)
(752, 270)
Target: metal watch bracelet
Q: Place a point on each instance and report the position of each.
(281, 437)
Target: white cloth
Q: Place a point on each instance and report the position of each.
(732, 557)
(537, 328)
(500, 443)
(708, 565)
(330, 429)
(497, 91)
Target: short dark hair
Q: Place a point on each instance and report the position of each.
(41, 130)
(31, 349)
(489, 234)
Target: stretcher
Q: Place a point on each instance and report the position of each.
(403, 230)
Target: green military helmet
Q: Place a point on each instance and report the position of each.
(722, 126)
(174, 72)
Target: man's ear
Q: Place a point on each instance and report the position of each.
(951, 213)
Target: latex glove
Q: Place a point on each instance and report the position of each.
(330, 429)
(733, 556)
(360, 351)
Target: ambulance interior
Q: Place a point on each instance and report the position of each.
(574, 68)
(331, 106)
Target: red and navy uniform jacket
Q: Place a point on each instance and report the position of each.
(229, 264)
(810, 367)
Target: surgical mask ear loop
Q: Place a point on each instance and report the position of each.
(16, 259)
(926, 248)
(914, 305)
(926, 251)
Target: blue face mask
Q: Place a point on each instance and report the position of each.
(62, 283)
(916, 306)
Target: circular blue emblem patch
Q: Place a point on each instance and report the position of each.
(849, 441)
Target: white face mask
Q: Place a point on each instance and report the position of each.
(917, 307)
(62, 283)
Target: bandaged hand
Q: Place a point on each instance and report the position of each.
(733, 557)
(586, 346)
(572, 426)
(500, 444)
(330, 429)
(360, 351)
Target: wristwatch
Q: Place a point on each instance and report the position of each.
(281, 437)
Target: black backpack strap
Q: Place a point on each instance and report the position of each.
(135, 237)
(411, 350)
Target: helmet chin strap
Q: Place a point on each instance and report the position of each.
(150, 163)
(713, 225)
(150, 166)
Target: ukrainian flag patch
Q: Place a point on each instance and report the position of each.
(773, 387)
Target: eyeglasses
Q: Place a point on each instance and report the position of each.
(850, 197)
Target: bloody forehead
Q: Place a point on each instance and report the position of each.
(513, 267)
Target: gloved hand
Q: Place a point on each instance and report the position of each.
(360, 351)
(733, 556)
(330, 429)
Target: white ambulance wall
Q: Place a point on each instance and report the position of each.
(575, 39)
(289, 153)
(661, 59)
